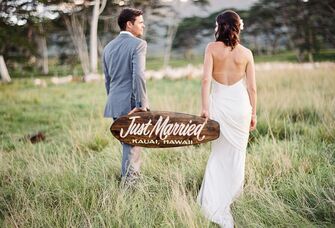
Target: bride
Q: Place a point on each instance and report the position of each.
(229, 68)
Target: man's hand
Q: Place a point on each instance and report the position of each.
(137, 110)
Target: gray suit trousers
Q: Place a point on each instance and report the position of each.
(124, 68)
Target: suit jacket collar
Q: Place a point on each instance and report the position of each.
(126, 33)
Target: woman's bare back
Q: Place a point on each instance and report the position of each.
(229, 66)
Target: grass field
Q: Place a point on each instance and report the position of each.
(286, 56)
(71, 179)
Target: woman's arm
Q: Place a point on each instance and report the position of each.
(206, 82)
(252, 90)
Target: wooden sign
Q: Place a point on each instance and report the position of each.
(164, 129)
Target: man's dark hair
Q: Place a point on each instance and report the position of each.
(128, 14)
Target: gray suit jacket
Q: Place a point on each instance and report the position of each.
(124, 66)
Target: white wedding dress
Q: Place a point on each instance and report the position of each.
(224, 175)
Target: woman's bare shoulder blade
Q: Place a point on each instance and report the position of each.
(246, 53)
(210, 45)
(244, 50)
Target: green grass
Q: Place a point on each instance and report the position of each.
(286, 56)
(156, 63)
(71, 179)
(280, 57)
(290, 56)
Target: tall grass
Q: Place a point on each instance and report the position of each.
(72, 178)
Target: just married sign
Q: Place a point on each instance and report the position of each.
(164, 129)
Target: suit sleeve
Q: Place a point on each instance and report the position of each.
(139, 84)
(107, 77)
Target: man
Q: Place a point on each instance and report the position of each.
(124, 66)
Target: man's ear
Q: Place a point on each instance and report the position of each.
(129, 24)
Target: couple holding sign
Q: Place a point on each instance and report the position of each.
(228, 96)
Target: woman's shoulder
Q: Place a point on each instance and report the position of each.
(211, 45)
(239, 47)
(243, 48)
(244, 52)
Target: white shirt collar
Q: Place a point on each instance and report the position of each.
(126, 32)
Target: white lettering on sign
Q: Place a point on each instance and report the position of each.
(167, 141)
(163, 128)
(144, 141)
(178, 142)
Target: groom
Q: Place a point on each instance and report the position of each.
(124, 66)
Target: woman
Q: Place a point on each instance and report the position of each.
(229, 67)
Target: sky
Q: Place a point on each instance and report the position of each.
(215, 5)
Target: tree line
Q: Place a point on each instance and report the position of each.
(303, 26)
(79, 29)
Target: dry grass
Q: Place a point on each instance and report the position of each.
(71, 179)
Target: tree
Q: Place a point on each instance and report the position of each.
(74, 24)
(3, 70)
(302, 25)
(308, 23)
(97, 10)
(297, 18)
(264, 21)
(12, 17)
(32, 15)
(192, 30)
(24, 32)
(77, 20)
(174, 19)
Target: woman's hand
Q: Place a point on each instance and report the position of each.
(253, 122)
(205, 114)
